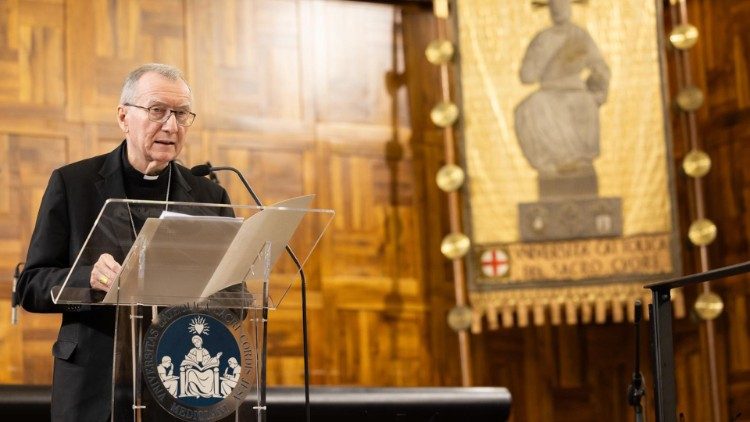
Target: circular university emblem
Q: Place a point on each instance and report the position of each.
(198, 363)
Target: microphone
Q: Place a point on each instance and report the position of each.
(14, 296)
(202, 170)
(205, 170)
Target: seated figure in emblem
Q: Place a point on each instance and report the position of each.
(166, 374)
(201, 372)
(229, 381)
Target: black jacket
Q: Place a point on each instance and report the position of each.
(81, 387)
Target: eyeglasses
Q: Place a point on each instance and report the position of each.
(161, 114)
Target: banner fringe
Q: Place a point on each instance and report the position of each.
(568, 305)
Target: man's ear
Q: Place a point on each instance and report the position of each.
(121, 113)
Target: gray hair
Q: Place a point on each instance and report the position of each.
(131, 81)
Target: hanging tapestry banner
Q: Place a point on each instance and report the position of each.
(570, 204)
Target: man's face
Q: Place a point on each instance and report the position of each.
(151, 145)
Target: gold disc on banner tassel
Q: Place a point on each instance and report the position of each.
(696, 163)
(459, 318)
(455, 245)
(690, 98)
(683, 36)
(444, 114)
(439, 52)
(450, 177)
(702, 232)
(708, 306)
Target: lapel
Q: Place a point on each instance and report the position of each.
(111, 185)
(181, 190)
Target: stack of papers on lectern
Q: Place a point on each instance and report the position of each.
(179, 258)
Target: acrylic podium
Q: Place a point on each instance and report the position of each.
(192, 300)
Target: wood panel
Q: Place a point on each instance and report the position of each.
(422, 79)
(250, 57)
(106, 39)
(302, 96)
(720, 63)
(332, 98)
(31, 45)
(34, 139)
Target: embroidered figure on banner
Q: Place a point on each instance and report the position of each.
(558, 131)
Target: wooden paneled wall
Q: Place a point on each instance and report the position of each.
(721, 68)
(333, 98)
(302, 96)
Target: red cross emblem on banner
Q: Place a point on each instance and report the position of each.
(494, 263)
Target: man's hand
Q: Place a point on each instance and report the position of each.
(104, 272)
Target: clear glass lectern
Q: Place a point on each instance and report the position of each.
(192, 298)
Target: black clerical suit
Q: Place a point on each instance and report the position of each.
(81, 387)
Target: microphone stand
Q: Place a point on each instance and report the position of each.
(303, 285)
(636, 389)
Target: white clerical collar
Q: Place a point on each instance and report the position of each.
(150, 177)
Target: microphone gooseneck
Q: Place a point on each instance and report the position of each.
(205, 170)
(249, 189)
(202, 170)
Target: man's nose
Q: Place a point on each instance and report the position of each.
(170, 125)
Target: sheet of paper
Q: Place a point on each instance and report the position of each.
(178, 259)
(172, 259)
(241, 262)
(130, 265)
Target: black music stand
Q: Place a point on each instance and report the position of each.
(662, 349)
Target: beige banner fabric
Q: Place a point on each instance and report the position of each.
(570, 200)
